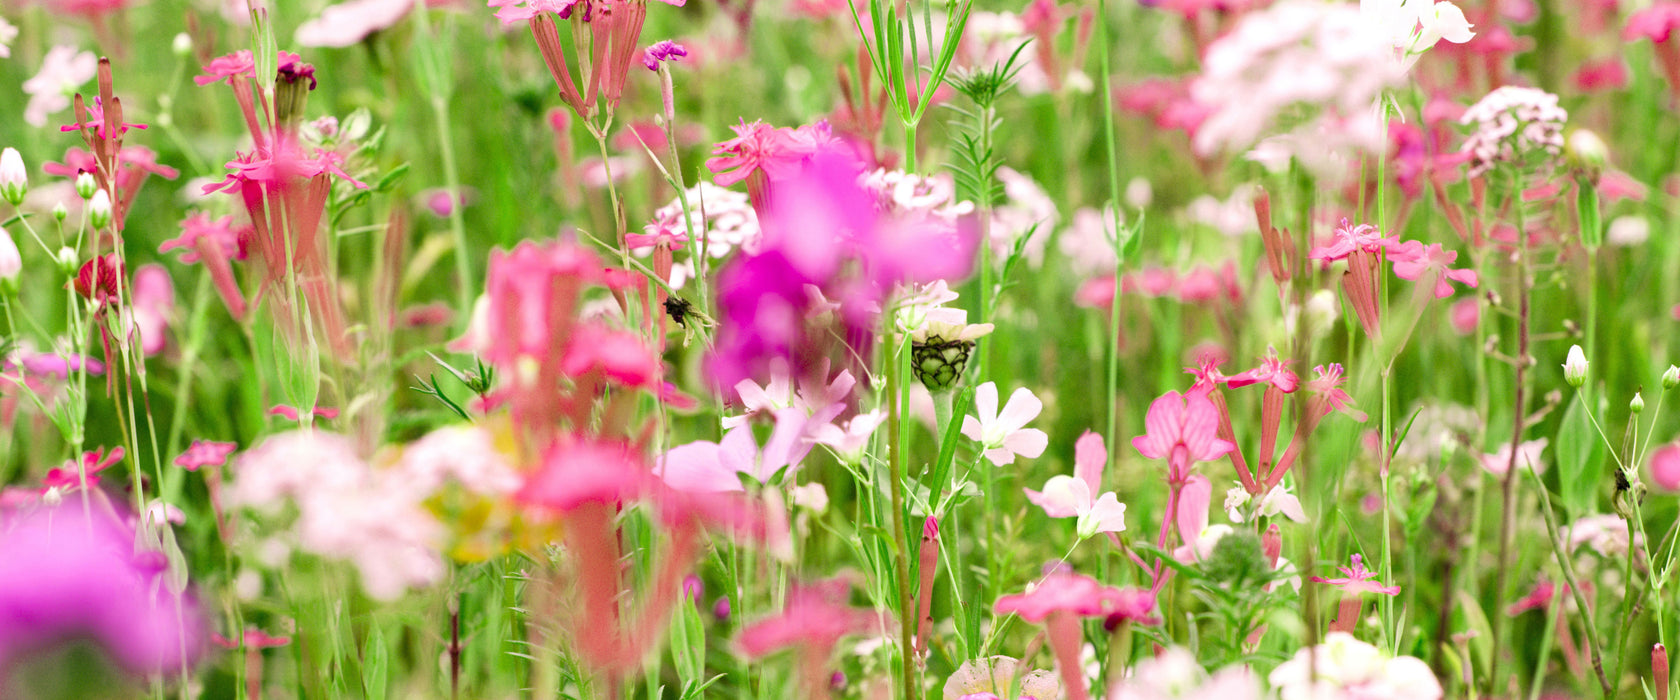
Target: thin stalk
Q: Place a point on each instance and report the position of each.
(901, 553)
(1568, 566)
(1518, 421)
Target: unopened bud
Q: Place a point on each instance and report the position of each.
(1575, 367)
(1671, 378)
(60, 212)
(14, 178)
(68, 261)
(1587, 152)
(85, 186)
(99, 210)
(183, 44)
(1637, 404)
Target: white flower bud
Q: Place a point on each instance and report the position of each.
(68, 261)
(99, 209)
(60, 212)
(1575, 367)
(11, 264)
(85, 186)
(183, 44)
(1671, 378)
(1637, 404)
(14, 177)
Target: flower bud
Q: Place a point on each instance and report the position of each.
(1671, 378)
(1575, 367)
(183, 44)
(1637, 404)
(1587, 152)
(99, 210)
(67, 260)
(85, 186)
(60, 212)
(11, 264)
(14, 178)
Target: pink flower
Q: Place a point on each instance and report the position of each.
(1271, 371)
(759, 147)
(1465, 315)
(1071, 496)
(707, 467)
(1349, 239)
(666, 50)
(1357, 579)
(1058, 602)
(1004, 435)
(1665, 466)
(152, 302)
(579, 471)
(205, 453)
(95, 461)
(1182, 429)
(290, 413)
(1656, 23)
(816, 617)
(1413, 260)
(348, 23)
(618, 355)
(1528, 457)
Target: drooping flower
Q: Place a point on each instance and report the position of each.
(1005, 435)
(665, 50)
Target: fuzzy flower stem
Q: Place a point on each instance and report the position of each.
(1567, 565)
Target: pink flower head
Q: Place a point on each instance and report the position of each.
(1349, 239)
(153, 302)
(205, 453)
(348, 23)
(1326, 386)
(1665, 466)
(707, 467)
(1527, 457)
(75, 575)
(59, 365)
(1357, 580)
(1182, 429)
(96, 121)
(665, 50)
(759, 147)
(1656, 23)
(1004, 435)
(580, 471)
(1413, 261)
(618, 355)
(816, 616)
(240, 63)
(93, 462)
(1271, 371)
(1067, 592)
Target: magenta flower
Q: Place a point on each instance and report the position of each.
(1058, 602)
(1357, 580)
(1182, 429)
(666, 50)
(73, 575)
(205, 453)
(93, 462)
(1272, 371)
(758, 147)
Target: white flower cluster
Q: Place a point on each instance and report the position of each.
(1322, 66)
(900, 194)
(725, 215)
(1513, 123)
(1348, 669)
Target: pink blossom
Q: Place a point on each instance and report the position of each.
(153, 301)
(69, 476)
(205, 453)
(577, 471)
(1182, 429)
(1465, 315)
(1656, 23)
(1357, 579)
(666, 50)
(291, 413)
(1665, 466)
(463, 454)
(1349, 239)
(1528, 457)
(759, 147)
(348, 23)
(816, 617)
(1073, 593)
(1272, 371)
(707, 467)
(1005, 435)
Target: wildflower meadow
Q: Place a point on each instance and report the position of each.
(875, 349)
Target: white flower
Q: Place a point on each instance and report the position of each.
(14, 177)
(1575, 366)
(950, 326)
(7, 34)
(1347, 668)
(1413, 26)
(1004, 435)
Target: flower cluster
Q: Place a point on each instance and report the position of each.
(1516, 126)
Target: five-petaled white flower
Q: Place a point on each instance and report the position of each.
(1004, 435)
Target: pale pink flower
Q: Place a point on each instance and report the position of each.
(708, 467)
(1511, 124)
(1005, 435)
(62, 71)
(1528, 457)
(1665, 466)
(850, 441)
(152, 302)
(1604, 533)
(1428, 264)
(1344, 667)
(348, 23)
(1174, 674)
(205, 453)
(1199, 538)
(465, 454)
(8, 32)
(1073, 496)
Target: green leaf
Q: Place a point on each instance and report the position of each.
(1580, 455)
(688, 644)
(1592, 228)
(376, 661)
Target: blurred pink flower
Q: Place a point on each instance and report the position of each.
(815, 619)
(1357, 579)
(69, 476)
(62, 71)
(152, 303)
(1665, 466)
(1428, 264)
(708, 467)
(205, 453)
(348, 23)
(1528, 457)
(1005, 435)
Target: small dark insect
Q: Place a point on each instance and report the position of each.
(678, 308)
